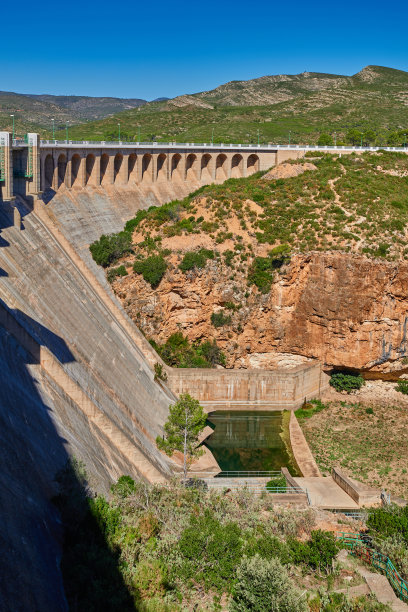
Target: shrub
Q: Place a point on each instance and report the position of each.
(109, 248)
(196, 259)
(264, 585)
(389, 521)
(152, 268)
(178, 352)
(346, 382)
(260, 274)
(220, 319)
(131, 225)
(402, 386)
(211, 550)
(279, 482)
(159, 372)
(114, 272)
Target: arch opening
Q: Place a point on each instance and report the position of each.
(191, 167)
(132, 168)
(147, 168)
(104, 167)
(118, 168)
(161, 173)
(221, 167)
(89, 170)
(205, 167)
(237, 166)
(252, 164)
(75, 165)
(62, 169)
(176, 167)
(48, 171)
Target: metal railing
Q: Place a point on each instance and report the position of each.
(200, 145)
(359, 547)
(238, 474)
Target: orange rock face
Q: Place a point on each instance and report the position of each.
(347, 311)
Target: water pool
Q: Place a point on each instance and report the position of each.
(248, 440)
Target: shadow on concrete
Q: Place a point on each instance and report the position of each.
(55, 555)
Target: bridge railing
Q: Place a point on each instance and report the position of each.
(204, 145)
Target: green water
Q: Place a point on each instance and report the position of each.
(248, 441)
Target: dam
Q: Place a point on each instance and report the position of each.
(78, 376)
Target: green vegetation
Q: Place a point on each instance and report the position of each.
(402, 386)
(115, 272)
(109, 249)
(169, 548)
(309, 409)
(160, 372)
(196, 259)
(274, 483)
(178, 352)
(152, 268)
(220, 319)
(342, 381)
(182, 428)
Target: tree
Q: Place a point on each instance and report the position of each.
(354, 136)
(369, 137)
(182, 428)
(325, 140)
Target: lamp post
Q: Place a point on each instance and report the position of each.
(212, 136)
(53, 129)
(335, 139)
(361, 141)
(289, 137)
(258, 136)
(13, 125)
(66, 130)
(138, 133)
(119, 130)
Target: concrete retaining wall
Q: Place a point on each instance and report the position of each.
(250, 389)
(359, 492)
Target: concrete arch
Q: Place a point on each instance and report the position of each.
(90, 178)
(48, 171)
(221, 167)
(62, 170)
(118, 168)
(147, 168)
(161, 171)
(132, 168)
(206, 174)
(104, 168)
(237, 166)
(75, 166)
(191, 167)
(176, 174)
(252, 164)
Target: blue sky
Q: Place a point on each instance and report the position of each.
(155, 48)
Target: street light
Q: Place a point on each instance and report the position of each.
(13, 125)
(289, 137)
(66, 130)
(361, 141)
(119, 131)
(53, 129)
(258, 136)
(335, 139)
(212, 136)
(138, 133)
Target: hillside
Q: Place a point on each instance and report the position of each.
(34, 112)
(306, 105)
(274, 268)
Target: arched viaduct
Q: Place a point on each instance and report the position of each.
(31, 166)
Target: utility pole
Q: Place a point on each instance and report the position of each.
(289, 137)
(258, 137)
(53, 129)
(119, 130)
(335, 139)
(66, 130)
(13, 125)
(138, 133)
(212, 136)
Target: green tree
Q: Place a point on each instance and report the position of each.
(353, 136)
(325, 140)
(182, 428)
(369, 138)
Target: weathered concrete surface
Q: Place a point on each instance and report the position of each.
(301, 451)
(362, 494)
(324, 493)
(249, 389)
